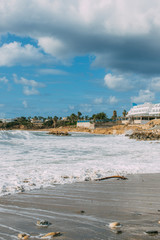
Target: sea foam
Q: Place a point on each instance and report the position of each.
(32, 160)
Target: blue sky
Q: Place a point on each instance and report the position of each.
(59, 57)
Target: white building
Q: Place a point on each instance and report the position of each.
(4, 120)
(143, 113)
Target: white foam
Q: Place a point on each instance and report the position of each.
(32, 160)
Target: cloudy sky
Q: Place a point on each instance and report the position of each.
(64, 56)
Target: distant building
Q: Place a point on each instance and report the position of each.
(143, 113)
(64, 118)
(37, 121)
(6, 120)
(85, 124)
(96, 124)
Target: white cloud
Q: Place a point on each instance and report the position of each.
(63, 28)
(14, 53)
(25, 104)
(122, 35)
(71, 107)
(85, 108)
(29, 86)
(52, 71)
(144, 96)
(3, 80)
(112, 100)
(117, 82)
(1, 105)
(2, 115)
(55, 47)
(155, 84)
(27, 82)
(30, 91)
(98, 100)
(119, 17)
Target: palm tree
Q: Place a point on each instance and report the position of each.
(114, 117)
(79, 114)
(55, 119)
(124, 113)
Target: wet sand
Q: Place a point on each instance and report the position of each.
(84, 210)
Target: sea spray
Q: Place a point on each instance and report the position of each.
(32, 160)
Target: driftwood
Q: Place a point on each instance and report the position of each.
(116, 176)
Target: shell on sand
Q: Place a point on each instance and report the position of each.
(51, 234)
(23, 236)
(115, 225)
(43, 223)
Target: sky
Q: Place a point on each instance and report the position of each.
(59, 57)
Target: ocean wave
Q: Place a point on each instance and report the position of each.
(34, 160)
(18, 134)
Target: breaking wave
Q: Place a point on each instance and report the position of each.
(32, 160)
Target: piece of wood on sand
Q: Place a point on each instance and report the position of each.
(115, 176)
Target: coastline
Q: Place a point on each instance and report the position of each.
(148, 131)
(84, 210)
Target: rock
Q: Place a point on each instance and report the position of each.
(43, 223)
(20, 189)
(23, 236)
(145, 135)
(51, 235)
(26, 181)
(82, 211)
(152, 232)
(114, 225)
(59, 133)
(87, 179)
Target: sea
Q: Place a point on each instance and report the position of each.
(32, 160)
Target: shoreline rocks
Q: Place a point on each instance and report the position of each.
(59, 133)
(145, 135)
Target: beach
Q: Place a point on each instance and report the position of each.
(84, 210)
(53, 178)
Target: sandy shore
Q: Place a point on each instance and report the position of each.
(84, 210)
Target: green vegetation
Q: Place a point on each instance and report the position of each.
(39, 122)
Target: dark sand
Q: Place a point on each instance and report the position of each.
(134, 203)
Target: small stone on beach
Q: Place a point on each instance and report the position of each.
(51, 235)
(43, 223)
(114, 225)
(152, 232)
(23, 236)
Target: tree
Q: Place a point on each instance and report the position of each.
(73, 117)
(55, 119)
(35, 118)
(79, 114)
(86, 117)
(124, 113)
(99, 116)
(114, 117)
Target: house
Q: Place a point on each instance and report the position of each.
(85, 124)
(97, 124)
(141, 114)
(6, 120)
(37, 122)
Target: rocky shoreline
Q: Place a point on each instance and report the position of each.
(145, 132)
(145, 136)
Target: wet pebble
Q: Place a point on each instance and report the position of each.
(152, 232)
(20, 189)
(114, 225)
(23, 236)
(43, 223)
